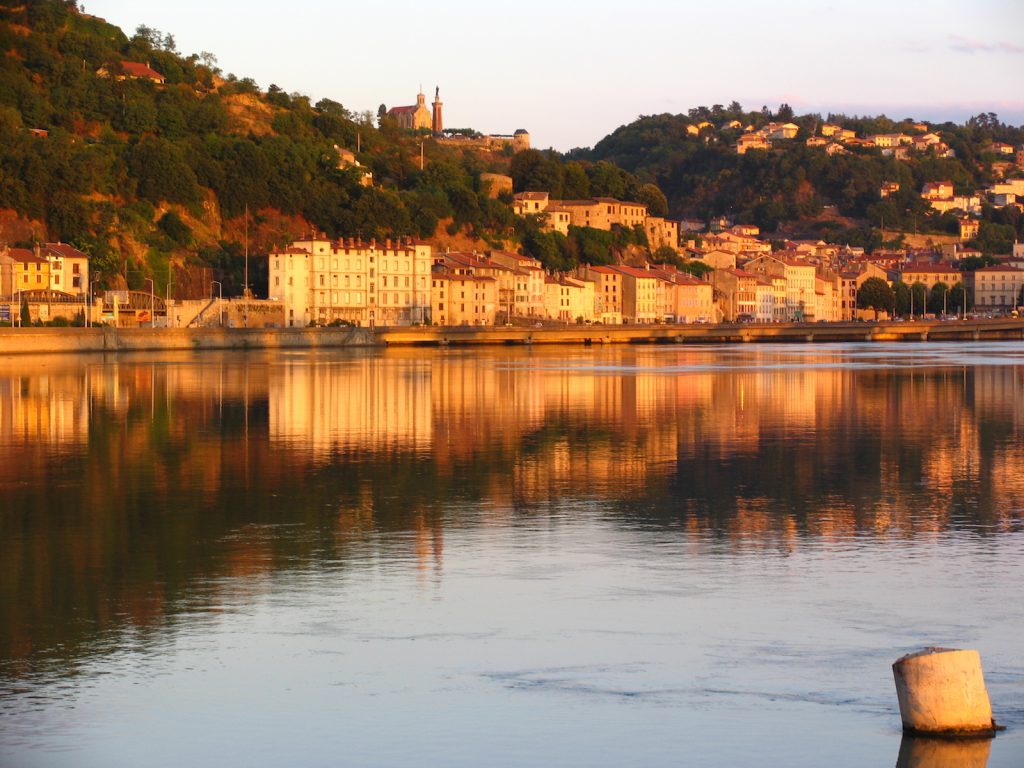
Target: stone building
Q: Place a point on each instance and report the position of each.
(996, 288)
(322, 281)
(416, 116)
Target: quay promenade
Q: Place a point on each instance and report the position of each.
(113, 340)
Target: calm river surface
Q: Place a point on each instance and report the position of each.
(627, 556)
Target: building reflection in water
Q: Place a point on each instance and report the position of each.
(137, 487)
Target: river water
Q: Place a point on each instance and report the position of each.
(625, 556)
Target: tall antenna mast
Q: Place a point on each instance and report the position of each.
(246, 291)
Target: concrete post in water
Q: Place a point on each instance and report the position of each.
(941, 691)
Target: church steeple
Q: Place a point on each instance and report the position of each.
(437, 124)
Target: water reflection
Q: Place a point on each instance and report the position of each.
(921, 752)
(137, 491)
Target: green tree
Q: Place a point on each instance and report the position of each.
(938, 298)
(959, 298)
(654, 199)
(876, 294)
(575, 183)
(918, 298)
(162, 172)
(176, 229)
(666, 255)
(994, 238)
(696, 268)
(902, 294)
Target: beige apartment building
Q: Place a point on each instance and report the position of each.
(69, 268)
(930, 275)
(529, 203)
(694, 300)
(608, 289)
(463, 299)
(528, 299)
(568, 299)
(996, 287)
(800, 283)
(321, 281)
(639, 295)
(738, 294)
(22, 270)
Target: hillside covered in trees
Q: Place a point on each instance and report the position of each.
(169, 178)
(154, 177)
(703, 176)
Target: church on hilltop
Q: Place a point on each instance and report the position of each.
(417, 116)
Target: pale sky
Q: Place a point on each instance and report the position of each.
(570, 72)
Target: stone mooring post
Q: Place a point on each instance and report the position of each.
(941, 692)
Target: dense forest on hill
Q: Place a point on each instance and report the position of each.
(141, 174)
(703, 176)
(165, 179)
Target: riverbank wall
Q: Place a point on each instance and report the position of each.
(107, 339)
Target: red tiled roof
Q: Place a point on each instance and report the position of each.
(635, 272)
(402, 110)
(929, 268)
(999, 268)
(136, 69)
(25, 256)
(64, 251)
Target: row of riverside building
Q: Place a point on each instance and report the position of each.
(321, 281)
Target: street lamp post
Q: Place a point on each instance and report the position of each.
(152, 302)
(220, 299)
(92, 300)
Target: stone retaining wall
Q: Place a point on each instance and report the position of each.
(109, 339)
